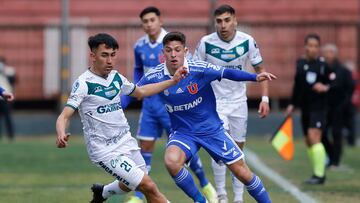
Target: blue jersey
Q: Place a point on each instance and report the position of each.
(191, 103)
(147, 56)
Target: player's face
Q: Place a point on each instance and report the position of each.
(329, 55)
(225, 25)
(312, 48)
(151, 24)
(103, 60)
(174, 53)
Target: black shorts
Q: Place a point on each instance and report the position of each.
(313, 119)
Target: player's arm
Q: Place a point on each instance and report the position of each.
(8, 96)
(61, 124)
(239, 75)
(296, 90)
(138, 74)
(264, 108)
(155, 88)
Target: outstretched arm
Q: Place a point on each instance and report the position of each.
(238, 75)
(155, 88)
(61, 124)
(8, 96)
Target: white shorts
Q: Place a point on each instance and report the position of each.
(128, 168)
(235, 119)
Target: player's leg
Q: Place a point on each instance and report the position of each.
(148, 131)
(195, 165)
(176, 154)
(223, 148)
(238, 128)
(219, 169)
(317, 150)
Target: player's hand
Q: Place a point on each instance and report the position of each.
(8, 96)
(289, 110)
(265, 76)
(320, 88)
(264, 109)
(61, 141)
(180, 74)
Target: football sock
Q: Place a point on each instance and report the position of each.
(257, 190)
(111, 189)
(147, 157)
(219, 177)
(238, 188)
(185, 181)
(196, 167)
(319, 158)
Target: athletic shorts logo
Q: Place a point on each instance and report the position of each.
(193, 88)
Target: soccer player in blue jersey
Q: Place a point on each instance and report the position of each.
(154, 119)
(195, 122)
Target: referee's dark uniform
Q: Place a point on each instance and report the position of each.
(311, 103)
(339, 96)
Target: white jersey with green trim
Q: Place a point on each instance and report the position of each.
(104, 124)
(236, 54)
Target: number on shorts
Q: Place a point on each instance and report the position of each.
(126, 166)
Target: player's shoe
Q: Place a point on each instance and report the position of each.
(223, 199)
(210, 193)
(315, 180)
(134, 199)
(97, 190)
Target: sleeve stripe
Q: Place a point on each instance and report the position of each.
(71, 106)
(256, 64)
(132, 90)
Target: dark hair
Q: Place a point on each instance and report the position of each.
(150, 9)
(312, 36)
(225, 8)
(174, 36)
(102, 38)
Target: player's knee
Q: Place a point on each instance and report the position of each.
(172, 163)
(241, 171)
(147, 186)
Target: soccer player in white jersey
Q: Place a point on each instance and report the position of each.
(96, 94)
(232, 49)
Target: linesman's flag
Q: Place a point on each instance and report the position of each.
(282, 139)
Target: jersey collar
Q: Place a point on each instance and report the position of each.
(158, 40)
(166, 70)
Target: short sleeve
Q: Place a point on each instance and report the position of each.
(254, 53)
(127, 87)
(199, 53)
(213, 72)
(77, 95)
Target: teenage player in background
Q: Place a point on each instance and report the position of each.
(195, 123)
(231, 49)
(154, 119)
(312, 82)
(96, 94)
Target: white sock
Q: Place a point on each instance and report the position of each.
(238, 188)
(219, 177)
(112, 189)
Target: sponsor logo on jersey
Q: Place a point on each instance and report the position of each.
(229, 151)
(224, 147)
(179, 91)
(193, 88)
(228, 56)
(109, 108)
(155, 75)
(117, 85)
(184, 107)
(98, 89)
(152, 56)
(311, 77)
(166, 92)
(111, 93)
(215, 51)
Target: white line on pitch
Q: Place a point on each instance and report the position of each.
(261, 167)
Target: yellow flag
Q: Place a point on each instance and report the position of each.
(283, 139)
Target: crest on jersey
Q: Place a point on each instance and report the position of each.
(311, 77)
(240, 50)
(193, 88)
(117, 85)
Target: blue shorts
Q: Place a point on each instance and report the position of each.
(221, 147)
(151, 126)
